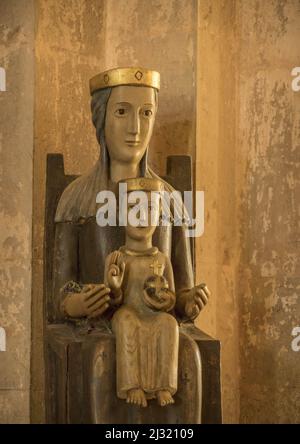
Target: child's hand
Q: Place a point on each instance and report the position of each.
(116, 271)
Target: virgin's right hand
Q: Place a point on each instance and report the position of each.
(93, 301)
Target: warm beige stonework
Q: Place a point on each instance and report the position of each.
(217, 250)
(267, 165)
(16, 148)
(247, 162)
(67, 51)
(160, 35)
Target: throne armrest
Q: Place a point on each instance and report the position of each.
(210, 351)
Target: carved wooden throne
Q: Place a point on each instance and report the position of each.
(68, 354)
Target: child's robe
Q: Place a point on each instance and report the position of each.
(146, 340)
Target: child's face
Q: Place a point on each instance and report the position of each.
(142, 215)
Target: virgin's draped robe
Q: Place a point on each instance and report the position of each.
(146, 340)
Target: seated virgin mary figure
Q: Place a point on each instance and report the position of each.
(124, 106)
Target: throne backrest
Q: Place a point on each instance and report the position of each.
(178, 174)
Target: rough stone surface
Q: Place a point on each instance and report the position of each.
(248, 163)
(69, 43)
(217, 249)
(16, 148)
(268, 161)
(160, 34)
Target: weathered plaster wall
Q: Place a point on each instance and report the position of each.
(247, 162)
(268, 166)
(68, 45)
(76, 39)
(16, 148)
(160, 34)
(217, 249)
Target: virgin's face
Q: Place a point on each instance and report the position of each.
(129, 121)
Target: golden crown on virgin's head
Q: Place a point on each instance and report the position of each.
(134, 76)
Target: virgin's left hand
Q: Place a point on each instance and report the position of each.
(196, 300)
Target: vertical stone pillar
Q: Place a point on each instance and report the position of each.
(247, 163)
(218, 249)
(16, 152)
(69, 45)
(268, 171)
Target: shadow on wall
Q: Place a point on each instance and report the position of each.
(166, 135)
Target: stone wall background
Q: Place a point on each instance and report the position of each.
(16, 150)
(226, 88)
(268, 161)
(216, 168)
(68, 46)
(248, 139)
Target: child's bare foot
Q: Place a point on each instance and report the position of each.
(164, 397)
(136, 396)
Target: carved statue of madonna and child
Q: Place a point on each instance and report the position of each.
(135, 282)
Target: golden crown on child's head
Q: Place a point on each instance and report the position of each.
(143, 184)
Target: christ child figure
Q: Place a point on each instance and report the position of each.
(142, 288)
